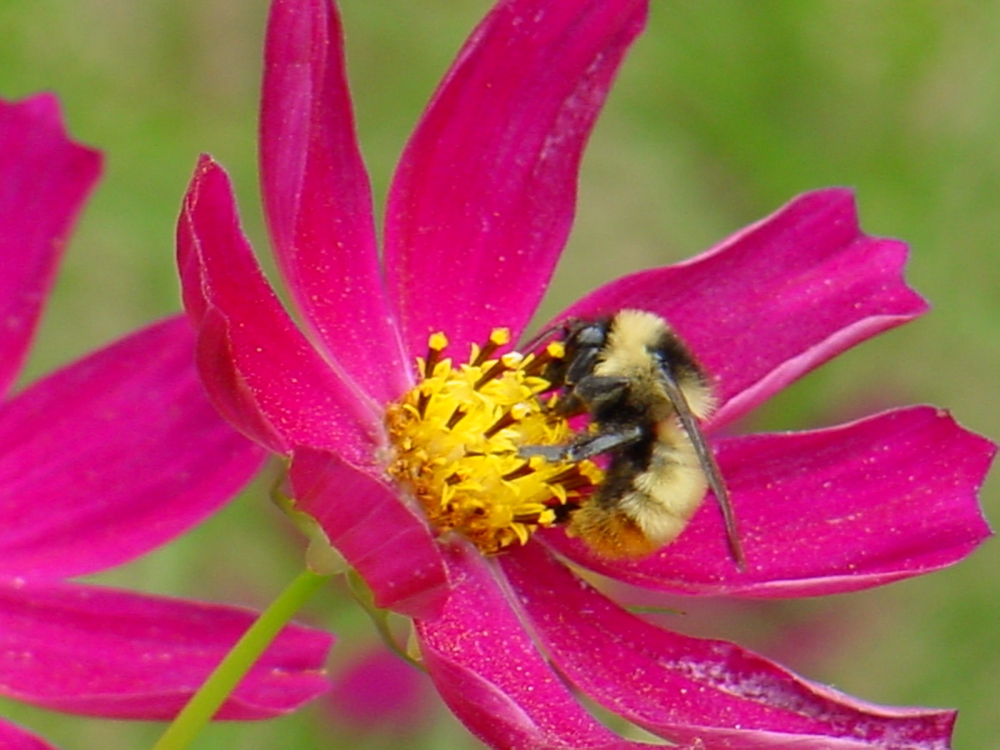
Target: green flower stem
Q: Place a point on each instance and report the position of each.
(221, 683)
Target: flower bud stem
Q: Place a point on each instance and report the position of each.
(221, 683)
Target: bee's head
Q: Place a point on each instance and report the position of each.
(584, 334)
(584, 340)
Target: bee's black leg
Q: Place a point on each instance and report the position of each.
(600, 392)
(587, 446)
(551, 453)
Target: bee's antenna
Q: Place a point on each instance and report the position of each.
(708, 465)
(536, 341)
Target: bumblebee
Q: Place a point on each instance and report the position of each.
(644, 393)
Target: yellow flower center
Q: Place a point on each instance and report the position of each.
(456, 437)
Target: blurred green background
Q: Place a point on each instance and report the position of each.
(725, 110)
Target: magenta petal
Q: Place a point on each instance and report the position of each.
(13, 737)
(258, 368)
(96, 651)
(484, 196)
(112, 456)
(379, 536)
(490, 673)
(688, 689)
(775, 300)
(378, 689)
(317, 197)
(832, 510)
(44, 180)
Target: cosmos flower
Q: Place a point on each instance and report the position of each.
(389, 403)
(101, 461)
(378, 692)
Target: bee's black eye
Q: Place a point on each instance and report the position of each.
(590, 336)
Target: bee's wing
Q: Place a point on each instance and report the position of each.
(708, 464)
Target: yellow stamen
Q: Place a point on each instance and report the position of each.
(498, 337)
(437, 343)
(456, 437)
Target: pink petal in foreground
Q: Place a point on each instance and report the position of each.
(258, 368)
(12, 737)
(828, 511)
(378, 690)
(44, 180)
(96, 651)
(484, 196)
(775, 300)
(112, 456)
(490, 673)
(385, 541)
(688, 689)
(317, 197)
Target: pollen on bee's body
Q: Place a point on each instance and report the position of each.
(456, 437)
